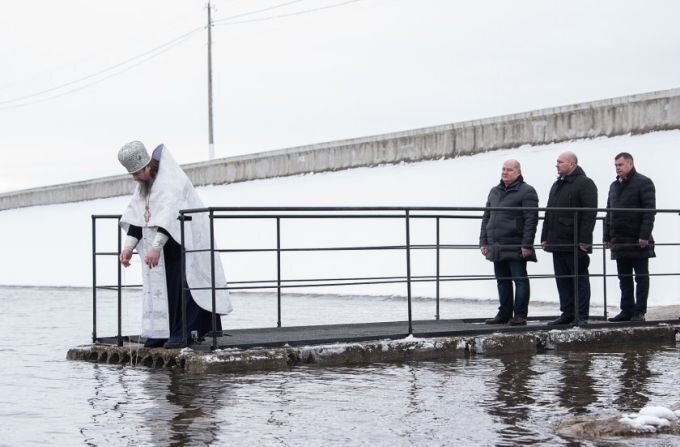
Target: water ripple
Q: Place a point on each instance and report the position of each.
(507, 400)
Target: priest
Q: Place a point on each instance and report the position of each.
(152, 227)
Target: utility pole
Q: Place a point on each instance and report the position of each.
(211, 143)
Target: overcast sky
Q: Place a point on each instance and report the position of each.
(81, 78)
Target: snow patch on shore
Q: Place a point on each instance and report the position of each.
(649, 419)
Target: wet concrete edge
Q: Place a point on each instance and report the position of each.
(379, 351)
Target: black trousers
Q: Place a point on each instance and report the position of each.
(198, 319)
(633, 301)
(571, 278)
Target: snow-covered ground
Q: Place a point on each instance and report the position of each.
(51, 245)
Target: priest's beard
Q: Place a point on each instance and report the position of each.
(145, 187)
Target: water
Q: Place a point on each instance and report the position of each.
(509, 400)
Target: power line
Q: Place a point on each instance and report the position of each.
(290, 14)
(145, 56)
(41, 72)
(150, 53)
(123, 68)
(269, 8)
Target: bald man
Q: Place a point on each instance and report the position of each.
(569, 237)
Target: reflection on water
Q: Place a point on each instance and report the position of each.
(576, 390)
(505, 400)
(513, 398)
(186, 406)
(634, 375)
(510, 400)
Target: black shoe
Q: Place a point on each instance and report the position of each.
(638, 317)
(176, 343)
(518, 321)
(563, 319)
(621, 316)
(498, 319)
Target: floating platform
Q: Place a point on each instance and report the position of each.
(350, 344)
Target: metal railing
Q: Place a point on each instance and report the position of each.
(95, 286)
(407, 214)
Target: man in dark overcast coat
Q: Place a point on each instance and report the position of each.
(629, 235)
(507, 239)
(572, 189)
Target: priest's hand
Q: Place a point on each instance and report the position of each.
(125, 257)
(152, 257)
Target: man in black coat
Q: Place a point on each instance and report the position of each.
(629, 235)
(569, 236)
(507, 239)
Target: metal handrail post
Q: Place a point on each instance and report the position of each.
(120, 288)
(183, 279)
(437, 272)
(577, 316)
(408, 270)
(604, 279)
(278, 272)
(212, 278)
(94, 279)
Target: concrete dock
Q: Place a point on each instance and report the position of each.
(266, 349)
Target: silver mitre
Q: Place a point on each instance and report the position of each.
(133, 156)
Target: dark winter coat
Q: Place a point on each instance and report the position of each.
(575, 190)
(507, 232)
(623, 229)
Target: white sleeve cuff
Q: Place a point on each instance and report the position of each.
(130, 242)
(159, 241)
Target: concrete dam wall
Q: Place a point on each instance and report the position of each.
(642, 113)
